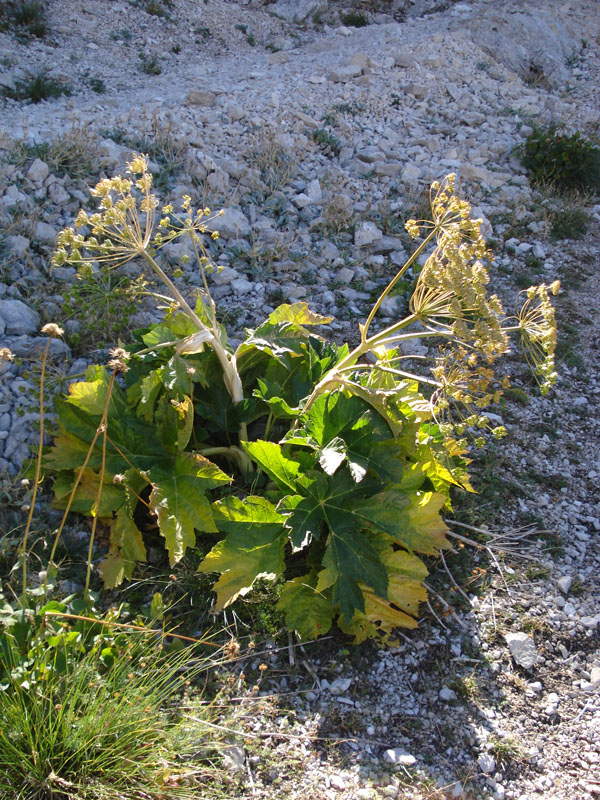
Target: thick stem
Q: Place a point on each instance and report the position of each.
(231, 376)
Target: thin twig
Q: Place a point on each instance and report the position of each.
(446, 606)
(451, 576)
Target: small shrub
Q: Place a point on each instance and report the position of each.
(36, 88)
(354, 20)
(569, 223)
(568, 162)
(158, 8)
(150, 65)
(26, 17)
(102, 303)
(328, 143)
(97, 85)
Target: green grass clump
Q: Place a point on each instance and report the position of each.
(150, 65)
(36, 88)
(328, 143)
(568, 162)
(94, 717)
(569, 223)
(25, 17)
(354, 20)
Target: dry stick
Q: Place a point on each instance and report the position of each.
(436, 616)
(451, 576)
(36, 479)
(446, 606)
(479, 546)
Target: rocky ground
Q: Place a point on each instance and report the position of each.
(319, 139)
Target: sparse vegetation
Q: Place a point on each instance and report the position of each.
(566, 161)
(24, 17)
(36, 88)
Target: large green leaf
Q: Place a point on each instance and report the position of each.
(307, 611)
(86, 495)
(341, 427)
(254, 547)
(269, 456)
(283, 332)
(179, 502)
(413, 520)
(326, 505)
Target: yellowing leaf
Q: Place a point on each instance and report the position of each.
(298, 313)
(307, 611)
(242, 558)
(405, 593)
(179, 502)
(413, 520)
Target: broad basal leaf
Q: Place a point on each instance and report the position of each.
(253, 549)
(405, 593)
(307, 611)
(86, 495)
(326, 505)
(126, 549)
(179, 502)
(413, 520)
(269, 457)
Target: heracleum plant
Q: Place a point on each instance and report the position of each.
(324, 466)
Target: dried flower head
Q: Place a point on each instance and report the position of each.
(51, 329)
(6, 355)
(118, 359)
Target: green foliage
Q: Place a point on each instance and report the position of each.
(569, 222)
(25, 17)
(354, 20)
(73, 153)
(84, 704)
(323, 468)
(566, 161)
(36, 88)
(158, 8)
(328, 143)
(150, 64)
(97, 85)
(102, 303)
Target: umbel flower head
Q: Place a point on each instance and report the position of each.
(128, 223)
(451, 303)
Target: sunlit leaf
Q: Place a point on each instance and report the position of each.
(307, 611)
(253, 549)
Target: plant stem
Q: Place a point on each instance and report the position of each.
(103, 425)
(36, 478)
(74, 489)
(395, 280)
(231, 376)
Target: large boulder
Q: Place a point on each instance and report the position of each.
(297, 10)
(534, 45)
